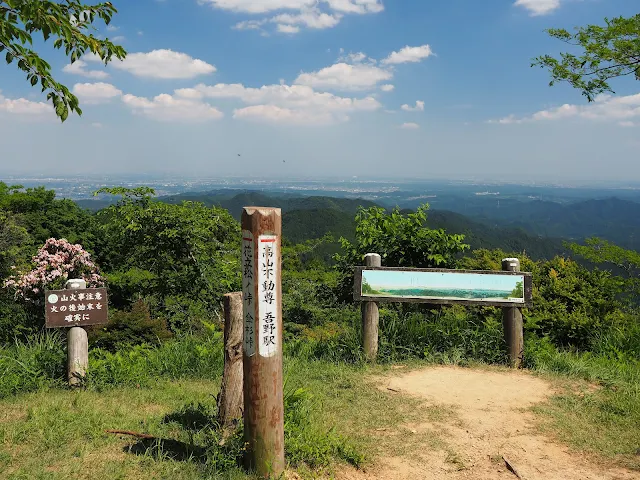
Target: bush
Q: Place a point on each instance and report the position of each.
(134, 327)
(572, 305)
(401, 241)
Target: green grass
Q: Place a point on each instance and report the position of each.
(332, 417)
(60, 434)
(599, 411)
(335, 414)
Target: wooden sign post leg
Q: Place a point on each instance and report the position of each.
(262, 345)
(370, 316)
(512, 321)
(230, 400)
(77, 345)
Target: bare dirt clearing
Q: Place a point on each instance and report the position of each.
(491, 423)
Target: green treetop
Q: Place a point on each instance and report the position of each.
(68, 22)
(606, 52)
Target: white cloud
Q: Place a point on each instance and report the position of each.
(288, 29)
(249, 25)
(275, 114)
(284, 103)
(260, 6)
(410, 126)
(316, 14)
(387, 88)
(290, 23)
(163, 64)
(168, 108)
(538, 7)
(96, 125)
(95, 93)
(266, 6)
(343, 76)
(604, 108)
(118, 39)
(312, 18)
(627, 123)
(79, 68)
(112, 28)
(356, 6)
(22, 106)
(409, 55)
(418, 108)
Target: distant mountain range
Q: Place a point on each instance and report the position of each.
(535, 226)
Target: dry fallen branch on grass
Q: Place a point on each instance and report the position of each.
(133, 434)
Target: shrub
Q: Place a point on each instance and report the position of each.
(132, 327)
(55, 263)
(401, 241)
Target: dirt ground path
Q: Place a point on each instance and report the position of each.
(491, 423)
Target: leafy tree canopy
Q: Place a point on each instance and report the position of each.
(68, 22)
(401, 241)
(44, 216)
(173, 253)
(608, 52)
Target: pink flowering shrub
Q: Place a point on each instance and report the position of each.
(55, 263)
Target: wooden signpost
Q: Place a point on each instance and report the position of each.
(262, 343)
(509, 289)
(230, 399)
(74, 308)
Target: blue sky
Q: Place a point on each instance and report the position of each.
(341, 88)
(470, 281)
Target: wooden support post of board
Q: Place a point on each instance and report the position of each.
(77, 345)
(230, 399)
(262, 345)
(512, 321)
(370, 316)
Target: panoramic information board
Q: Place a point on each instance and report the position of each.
(437, 286)
(76, 308)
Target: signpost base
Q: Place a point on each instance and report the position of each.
(77, 356)
(77, 345)
(512, 322)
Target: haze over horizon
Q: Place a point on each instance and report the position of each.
(336, 88)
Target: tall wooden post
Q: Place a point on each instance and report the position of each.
(77, 345)
(230, 400)
(512, 321)
(262, 346)
(370, 316)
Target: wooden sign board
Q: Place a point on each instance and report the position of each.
(437, 286)
(75, 308)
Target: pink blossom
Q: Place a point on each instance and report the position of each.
(56, 259)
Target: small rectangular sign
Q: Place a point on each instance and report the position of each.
(76, 308)
(268, 295)
(438, 286)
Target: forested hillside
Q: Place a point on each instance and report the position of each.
(537, 227)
